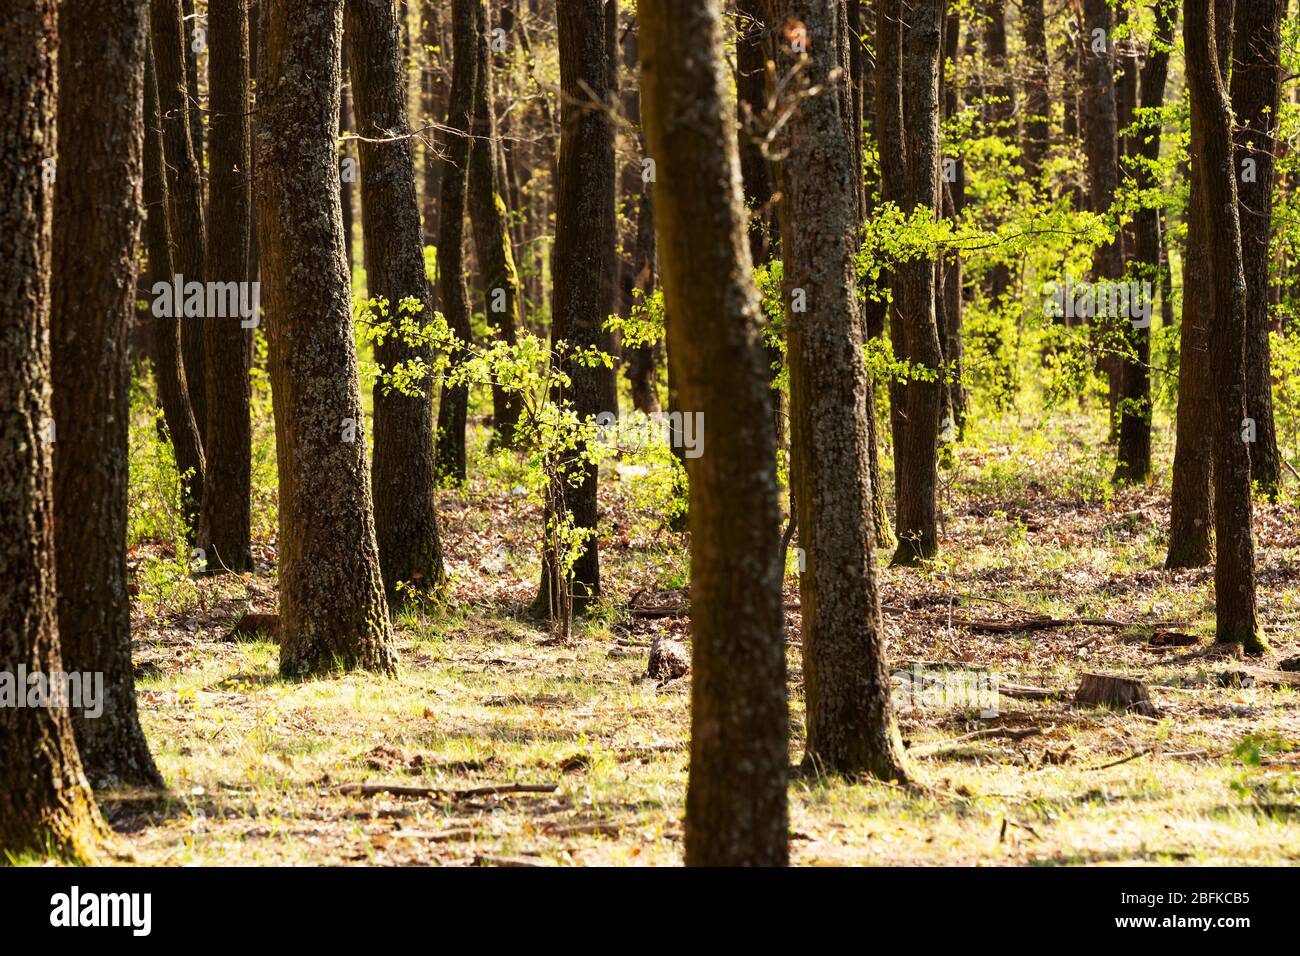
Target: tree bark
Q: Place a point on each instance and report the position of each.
(736, 810)
(406, 520)
(92, 294)
(1134, 444)
(488, 217)
(225, 525)
(347, 152)
(1191, 519)
(184, 187)
(1256, 97)
(434, 92)
(907, 90)
(45, 802)
(169, 367)
(1038, 101)
(582, 265)
(332, 608)
(453, 295)
(1236, 614)
(849, 717)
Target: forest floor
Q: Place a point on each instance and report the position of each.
(486, 697)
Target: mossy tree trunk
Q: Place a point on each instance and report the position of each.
(850, 721)
(45, 802)
(97, 218)
(332, 609)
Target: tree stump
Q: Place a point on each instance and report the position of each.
(1118, 693)
(669, 659)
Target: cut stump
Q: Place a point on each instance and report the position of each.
(669, 659)
(1118, 693)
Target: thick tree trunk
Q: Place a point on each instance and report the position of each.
(453, 294)
(332, 608)
(406, 521)
(1236, 615)
(582, 267)
(1256, 97)
(1038, 102)
(184, 187)
(169, 367)
(1134, 452)
(225, 526)
(850, 721)
(907, 90)
(487, 211)
(1191, 519)
(92, 293)
(736, 800)
(45, 803)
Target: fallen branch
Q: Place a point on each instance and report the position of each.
(1116, 763)
(1024, 692)
(1007, 732)
(400, 790)
(1038, 623)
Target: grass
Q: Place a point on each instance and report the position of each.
(486, 697)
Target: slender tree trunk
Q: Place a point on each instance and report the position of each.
(907, 89)
(184, 188)
(489, 219)
(849, 717)
(406, 521)
(1134, 452)
(45, 804)
(453, 294)
(169, 367)
(1038, 101)
(582, 267)
(1256, 99)
(1236, 615)
(1191, 520)
(434, 91)
(92, 294)
(332, 608)
(347, 162)
(736, 801)
(225, 526)
(954, 204)
(195, 42)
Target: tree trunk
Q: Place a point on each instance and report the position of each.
(184, 187)
(332, 608)
(347, 162)
(1134, 451)
(45, 803)
(1256, 98)
(434, 94)
(1236, 615)
(406, 521)
(736, 801)
(224, 532)
(169, 367)
(453, 295)
(582, 266)
(954, 203)
(907, 90)
(1191, 519)
(92, 294)
(850, 721)
(1038, 101)
(488, 216)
